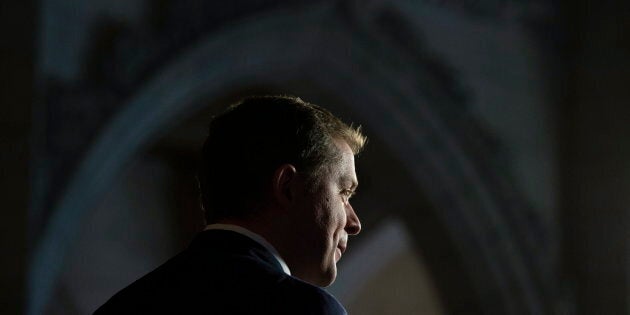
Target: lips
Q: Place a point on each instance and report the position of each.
(341, 248)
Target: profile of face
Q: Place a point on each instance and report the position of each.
(323, 221)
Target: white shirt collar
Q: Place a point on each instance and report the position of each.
(259, 239)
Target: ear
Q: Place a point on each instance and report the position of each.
(284, 178)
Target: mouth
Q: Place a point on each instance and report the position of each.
(339, 251)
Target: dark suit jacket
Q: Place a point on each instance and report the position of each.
(221, 272)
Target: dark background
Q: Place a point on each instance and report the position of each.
(496, 180)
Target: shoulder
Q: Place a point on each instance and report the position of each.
(219, 273)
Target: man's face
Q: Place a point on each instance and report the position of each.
(324, 219)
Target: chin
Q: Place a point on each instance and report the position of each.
(328, 277)
(331, 281)
(322, 274)
(323, 278)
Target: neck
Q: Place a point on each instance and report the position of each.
(271, 229)
(251, 225)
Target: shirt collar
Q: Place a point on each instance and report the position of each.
(259, 239)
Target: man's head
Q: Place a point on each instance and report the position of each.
(285, 168)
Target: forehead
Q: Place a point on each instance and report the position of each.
(344, 169)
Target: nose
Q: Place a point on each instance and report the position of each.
(353, 224)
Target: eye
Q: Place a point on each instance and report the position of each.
(347, 194)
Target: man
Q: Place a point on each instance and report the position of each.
(276, 176)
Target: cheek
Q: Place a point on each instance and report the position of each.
(329, 214)
(323, 213)
(336, 220)
(327, 222)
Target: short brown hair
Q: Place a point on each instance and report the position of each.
(253, 137)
